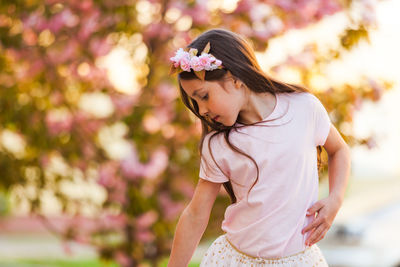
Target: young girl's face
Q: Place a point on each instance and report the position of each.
(221, 102)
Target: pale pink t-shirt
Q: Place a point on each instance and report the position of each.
(269, 225)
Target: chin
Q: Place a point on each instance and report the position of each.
(230, 124)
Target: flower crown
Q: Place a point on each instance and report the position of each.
(184, 61)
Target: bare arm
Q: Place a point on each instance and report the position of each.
(339, 162)
(339, 171)
(192, 223)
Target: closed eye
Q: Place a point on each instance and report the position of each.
(205, 97)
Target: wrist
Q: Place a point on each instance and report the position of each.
(336, 197)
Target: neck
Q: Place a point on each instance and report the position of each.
(256, 107)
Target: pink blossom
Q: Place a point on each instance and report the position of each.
(179, 54)
(164, 114)
(36, 21)
(188, 60)
(91, 126)
(147, 189)
(56, 98)
(44, 161)
(146, 220)
(58, 121)
(171, 209)
(117, 197)
(160, 31)
(122, 259)
(89, 25)
(196, 64)
(371, 143)
(305, 59)
(286, 5)
(244, 6)
(157, 164)
(69, 18)
(64, 18)
(124, 103)
(185, 64)
(117, 194)
(358, 103)
(199, 13)
(99, 47)
(107, 174)
(29, 37)
(244, 29)
(377, 90)
(131, 168)
(111, 221)
(166, 92)
(86, 5)
(35, 67)
(145, 236)
(205, 61)
(82, 164)
(63, 52)
(56, 23)
(82, 238)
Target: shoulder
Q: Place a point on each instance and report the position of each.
(300, 99)
(305, 96)
(214, 137)
(214, 141)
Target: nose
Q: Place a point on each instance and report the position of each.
(202, 110)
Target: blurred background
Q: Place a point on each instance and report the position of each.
(98, 155)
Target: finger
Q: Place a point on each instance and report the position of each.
(321, 236)
(311, 234)
(316, 234)
(317, 206)
(313, 224)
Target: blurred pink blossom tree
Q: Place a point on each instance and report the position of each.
(65, 114)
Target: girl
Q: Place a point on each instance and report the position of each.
(259, 140)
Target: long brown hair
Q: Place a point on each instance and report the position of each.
(238, 57)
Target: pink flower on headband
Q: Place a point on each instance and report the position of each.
(206, 61)
(178, 56)
(196, 64)
(184, 61)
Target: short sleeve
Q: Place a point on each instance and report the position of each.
(322, 123)
(208, 168)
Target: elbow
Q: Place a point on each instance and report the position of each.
(343, 153)
(198, 215)
(343, 150)
(347, 151)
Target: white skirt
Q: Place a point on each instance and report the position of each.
(222, 253)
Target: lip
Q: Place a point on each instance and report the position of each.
(216, 118)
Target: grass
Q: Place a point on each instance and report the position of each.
(56, 263)
(70, 263)
(191, 264)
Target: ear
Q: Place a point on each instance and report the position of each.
(238, 83)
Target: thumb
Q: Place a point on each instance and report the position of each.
(317, 205)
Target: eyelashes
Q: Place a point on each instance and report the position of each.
(205, 97)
